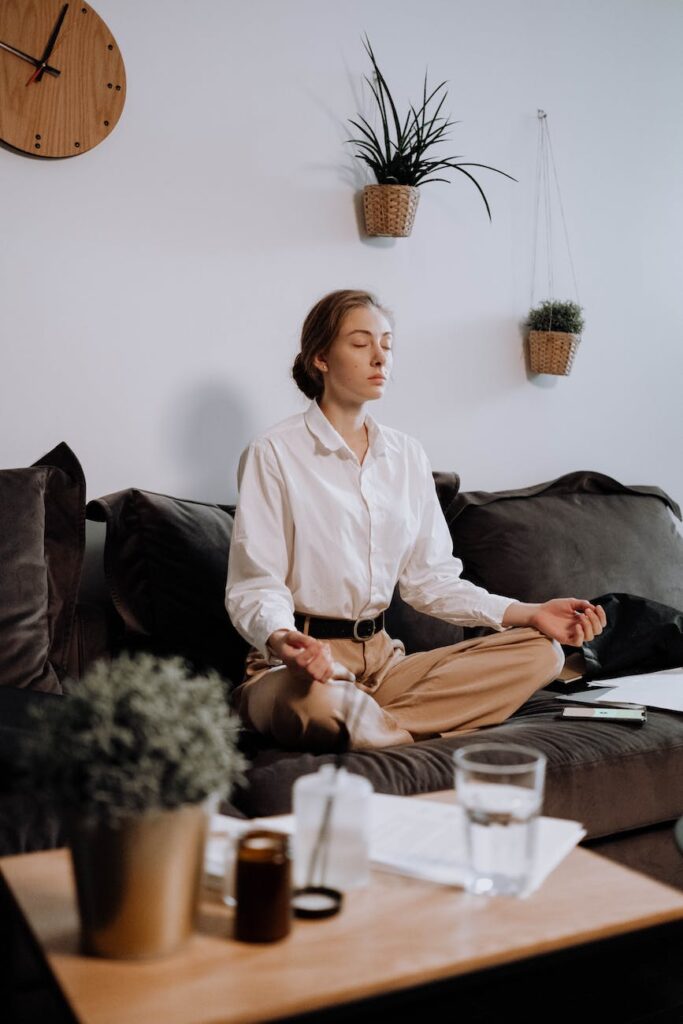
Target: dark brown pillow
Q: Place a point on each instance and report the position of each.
(42, 539)
(581, 535)
(166, 563)
(420, 632)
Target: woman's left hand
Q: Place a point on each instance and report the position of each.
(569, 620)
(566, 619)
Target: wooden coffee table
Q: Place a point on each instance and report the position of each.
(398, 945)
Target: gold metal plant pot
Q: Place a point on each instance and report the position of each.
(390, 209)
(138, 884)
(552, 351)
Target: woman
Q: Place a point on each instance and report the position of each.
(333, 511)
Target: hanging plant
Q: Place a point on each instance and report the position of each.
(554, 336)
(554, 327)
(401, 156)
(557, 316)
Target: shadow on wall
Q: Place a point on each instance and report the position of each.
(208, 429)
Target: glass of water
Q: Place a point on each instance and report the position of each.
(500, 787)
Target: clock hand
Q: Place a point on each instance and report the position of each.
(42, 64)
(31, 60)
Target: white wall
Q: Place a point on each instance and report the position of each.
(152, 290)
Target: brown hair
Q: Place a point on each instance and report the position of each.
(319, 331)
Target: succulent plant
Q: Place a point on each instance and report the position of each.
(556, 316)
(137, 733)
(404, 159)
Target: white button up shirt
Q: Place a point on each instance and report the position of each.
(317, 531)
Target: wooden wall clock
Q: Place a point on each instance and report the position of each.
(62, 79)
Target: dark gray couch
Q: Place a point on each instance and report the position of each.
(158, 583)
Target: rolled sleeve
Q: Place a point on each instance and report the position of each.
(430, 580)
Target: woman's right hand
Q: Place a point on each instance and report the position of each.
(309, 659)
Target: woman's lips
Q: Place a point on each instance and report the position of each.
(378, 380)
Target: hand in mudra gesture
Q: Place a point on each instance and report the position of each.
(309, 659)
(569, 620)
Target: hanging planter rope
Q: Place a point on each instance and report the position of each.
(555, 326)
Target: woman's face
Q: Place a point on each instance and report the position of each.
(356, 366)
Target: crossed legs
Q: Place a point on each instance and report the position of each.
(397, 698)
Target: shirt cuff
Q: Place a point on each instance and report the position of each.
(495, 609)
(261, 638)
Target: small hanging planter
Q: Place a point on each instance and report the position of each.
(390, 209)
(554, 327)
(554, 336)
(401, 157)
(552, 351)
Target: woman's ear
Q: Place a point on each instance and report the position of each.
(320, 363)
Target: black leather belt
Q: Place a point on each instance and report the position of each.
(340, 629)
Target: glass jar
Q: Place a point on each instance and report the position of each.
(332, 829)
(262, 887)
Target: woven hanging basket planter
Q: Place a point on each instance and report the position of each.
(390, 209)
(552, 351)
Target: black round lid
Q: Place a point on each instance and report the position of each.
(315, 901)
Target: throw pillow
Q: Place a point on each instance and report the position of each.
(420, 632)
(42, 509)
(166, 562)
(580, 535)
(641, 636)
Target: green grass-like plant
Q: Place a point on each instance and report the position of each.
(138, 733)
(404, 158)
(556, 316)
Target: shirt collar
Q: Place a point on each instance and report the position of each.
(319, 425)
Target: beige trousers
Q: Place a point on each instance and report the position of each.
(398, 698)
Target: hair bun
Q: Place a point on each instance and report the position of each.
(303, 379)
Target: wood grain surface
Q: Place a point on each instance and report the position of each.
(397, 933)
(65, 115)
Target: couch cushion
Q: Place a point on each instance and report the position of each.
(641, 636)
(608, 776)
(42, 509)
(28, 820)
(166, 562)
(420, 632)
(581, 535)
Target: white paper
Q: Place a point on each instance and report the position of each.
(426, 839)
(420, 838)
(654, 689)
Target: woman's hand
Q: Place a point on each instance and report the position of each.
(307, 658)
(566, 619)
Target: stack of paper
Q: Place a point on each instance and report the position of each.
(654, 689)
(426, 839)
(420, 838)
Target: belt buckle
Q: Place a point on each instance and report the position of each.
(357, 623)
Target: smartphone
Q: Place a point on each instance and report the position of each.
(629, 716)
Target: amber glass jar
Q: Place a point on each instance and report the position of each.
(263, 887)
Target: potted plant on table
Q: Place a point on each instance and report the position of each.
(131, 757)
(405, 161)
(554, 335)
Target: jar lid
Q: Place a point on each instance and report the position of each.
(262, 845)
(316, 902)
